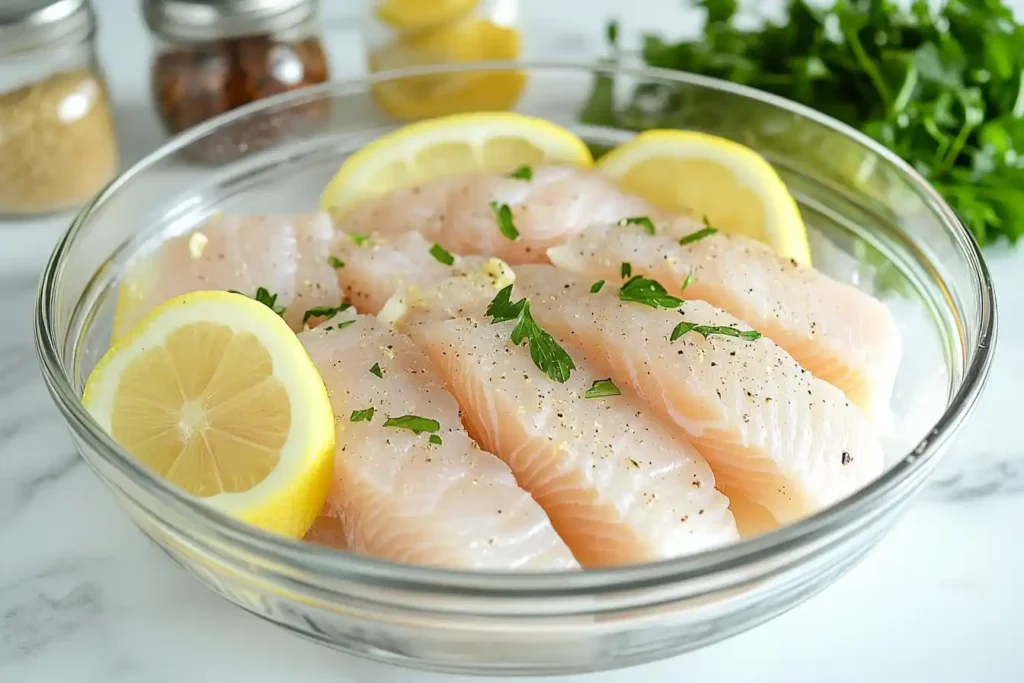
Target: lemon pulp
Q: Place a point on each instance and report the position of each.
(215, 393)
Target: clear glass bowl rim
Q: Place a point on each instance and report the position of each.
(702, 567)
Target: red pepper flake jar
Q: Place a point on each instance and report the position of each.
(215, 55)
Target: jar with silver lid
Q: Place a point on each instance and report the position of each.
(215, 55)
(57, 141)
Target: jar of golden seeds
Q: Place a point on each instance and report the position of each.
(57, 141)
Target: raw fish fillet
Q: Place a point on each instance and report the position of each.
(286, 255)
(379, 267)
(397, 495)
(619, 487)
(327, 530)
(776, 436)
(555, 204)
(841, 334)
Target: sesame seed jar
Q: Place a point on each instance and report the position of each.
(57, 141)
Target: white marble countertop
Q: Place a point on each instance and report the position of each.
(84, 597)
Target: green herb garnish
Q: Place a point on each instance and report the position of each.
(435, 439)
(524, 172)
(340, 326)
(414, 423)
(708, 330)
(375, 370)
(698, 235)
(643, 221)
(335, 262)
(501, 309)
(940, 84)
(601, 388)
(596, 287)
(505, 224)
(442, 254)
(359, 238)
(264, 296)
(547, 355)
(648, 292)
(324, 311)
(364, 415)
(625, 270)
(687, 281)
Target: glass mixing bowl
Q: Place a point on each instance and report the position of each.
(874, 222)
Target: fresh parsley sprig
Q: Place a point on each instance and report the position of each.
(414, 423)
(708, 330)
(364, 415)
(648, 292)
(442, 255)
(264, 296)
(937, 83)
(602, 388)
(643, 221)
(546, 353)
(524, 172)
(505, 223)
(324, 311)
(706, 231)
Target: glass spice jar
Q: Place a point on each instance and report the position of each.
(215, 55)
(57, 141)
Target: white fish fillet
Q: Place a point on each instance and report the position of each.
(554, 204)
(844, 336)
(617, 485)
(287, 255)
(379, 267)
(398, 496)
(775, 435)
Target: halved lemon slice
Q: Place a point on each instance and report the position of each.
(473, 39)
(733, 186)
(449, 146)
(214, 392)
(411, 15)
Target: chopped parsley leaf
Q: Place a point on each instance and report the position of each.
(505, 224)
(414, 423)
(442, 254)
(601, 388)
(648, 292)
(643, 221)
(364, 415)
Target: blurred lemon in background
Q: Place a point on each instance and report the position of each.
(424, 32)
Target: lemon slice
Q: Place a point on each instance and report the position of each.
(453, 145)
(473, 39)
(734, 187)
(410, 15)
(214, 392)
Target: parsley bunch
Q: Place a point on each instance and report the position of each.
(943, 88)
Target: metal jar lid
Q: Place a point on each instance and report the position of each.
(201, 20)
(27, 25)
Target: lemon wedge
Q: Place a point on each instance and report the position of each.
(473, 39)
(214, 392)
(733, 186)
(449, 146)
(411, 15)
